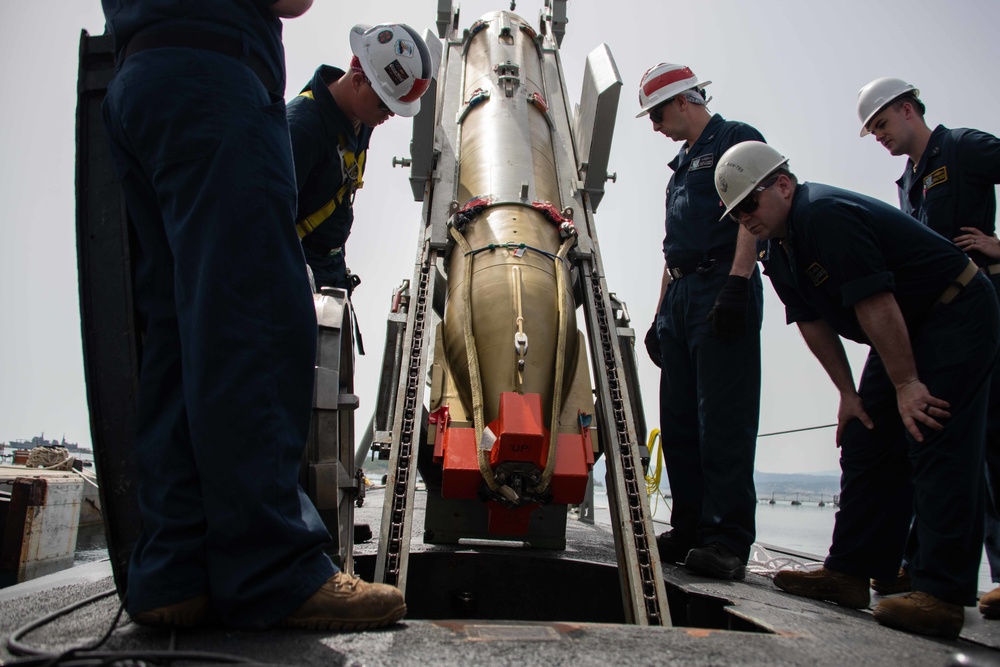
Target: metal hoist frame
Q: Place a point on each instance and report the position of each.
(611, 342)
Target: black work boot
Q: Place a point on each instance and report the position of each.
(716, 560)
(673, 548)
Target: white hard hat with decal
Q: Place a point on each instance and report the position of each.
(742, 168)
(396, 61)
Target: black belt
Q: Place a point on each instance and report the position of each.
(702, 264)
(205, 40)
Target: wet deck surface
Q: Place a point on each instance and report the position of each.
(746, 623)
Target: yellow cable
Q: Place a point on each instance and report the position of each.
(655, 447)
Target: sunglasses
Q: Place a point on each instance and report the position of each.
(750, 202)
(381, 105)
(656, 113)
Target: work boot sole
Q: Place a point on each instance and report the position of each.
(187, 614)
(344, 624)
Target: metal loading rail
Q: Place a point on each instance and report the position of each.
(397, 513)
(643, 592)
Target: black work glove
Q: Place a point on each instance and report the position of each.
(652, 344)
(353, 280)
(729, 314)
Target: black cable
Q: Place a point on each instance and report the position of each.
(135, 657)
(796, 430)
(17, 648)
(87, 656)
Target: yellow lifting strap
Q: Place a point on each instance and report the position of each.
(353, 169)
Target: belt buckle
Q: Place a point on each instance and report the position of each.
(675, 274)
(706, 266)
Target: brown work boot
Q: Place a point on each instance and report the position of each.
(921, 613)
(186, 614)
(901, 584)
(347, 602)
(827, 585)
(989, 604)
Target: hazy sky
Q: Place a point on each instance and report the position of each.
(790, 68)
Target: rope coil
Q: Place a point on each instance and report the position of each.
(50, 458)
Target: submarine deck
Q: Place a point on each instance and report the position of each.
(746, 622)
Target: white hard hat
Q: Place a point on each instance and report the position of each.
(662, 82)
(396, 61)
(741, 168)
(879, 94)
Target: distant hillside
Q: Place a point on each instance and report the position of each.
(781, 485)
(785, 485)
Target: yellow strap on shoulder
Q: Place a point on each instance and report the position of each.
(353, 169)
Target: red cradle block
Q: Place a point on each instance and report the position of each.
(519, 431)
(460, 477)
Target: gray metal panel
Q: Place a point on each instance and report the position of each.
(444, 17)
(110, 331)
(446, 144)
(328, 458)
(595, 121)
(422, 142)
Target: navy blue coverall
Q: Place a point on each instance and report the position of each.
(709, 387)
(229, 328)
(840, 249)
(318, 126)
(952, 187)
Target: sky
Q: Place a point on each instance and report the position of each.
(791, 69)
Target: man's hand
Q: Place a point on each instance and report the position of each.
(851, 407)
(289, 9)
(917, 405)
(653, 344)
(729, 314)
(974, 239)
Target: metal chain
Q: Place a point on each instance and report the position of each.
(625, 454)
(404, 462)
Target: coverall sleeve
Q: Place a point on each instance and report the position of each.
(848, 253)
(981, 155)
(305, 146)
(796, 309)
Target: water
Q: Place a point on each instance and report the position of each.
(91, 545)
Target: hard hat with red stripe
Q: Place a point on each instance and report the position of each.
(662, 82)
(396, 61)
